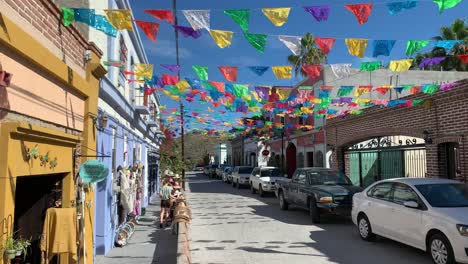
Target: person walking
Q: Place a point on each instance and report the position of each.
(165, 195)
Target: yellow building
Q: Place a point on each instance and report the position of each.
(49, 83)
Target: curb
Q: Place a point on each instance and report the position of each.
(183, 244)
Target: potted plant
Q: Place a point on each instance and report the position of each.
(22, 246)
(10, 247)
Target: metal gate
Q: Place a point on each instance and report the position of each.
(385, 158)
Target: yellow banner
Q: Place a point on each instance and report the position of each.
(356, 47)
(121, 19)
(284, 93)
(143, 71)
(400, 65)
(182, 86)
(277, 16)
(222, 38)
(282, 72)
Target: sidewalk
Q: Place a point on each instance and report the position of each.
(148, 245)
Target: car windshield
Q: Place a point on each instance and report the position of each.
(445, 195)
(270, 173)
(245, 170)
(214, 166)
(328, 178)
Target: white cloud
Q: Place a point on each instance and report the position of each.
(166, 48)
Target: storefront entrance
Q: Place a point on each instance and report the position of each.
(33, 196)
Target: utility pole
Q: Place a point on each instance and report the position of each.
(182, 123)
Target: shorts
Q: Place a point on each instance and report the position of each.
(166, 204)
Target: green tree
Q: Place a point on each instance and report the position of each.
(458, 30)
(309, 53)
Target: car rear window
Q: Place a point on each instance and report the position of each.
(244, 170)
(270, 173)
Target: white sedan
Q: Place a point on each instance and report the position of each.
(263, 179)
(429, 214)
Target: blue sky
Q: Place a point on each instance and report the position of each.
(422, 22)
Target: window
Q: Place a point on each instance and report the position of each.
(255, 172)
(123, 54)
(403, 193)
(301, 120)
(245, 170)
(300, 177)
(282, 120)
(382, 191)
(271, 173)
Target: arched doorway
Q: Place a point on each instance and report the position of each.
(291, 159)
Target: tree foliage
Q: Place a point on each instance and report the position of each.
(309, 53)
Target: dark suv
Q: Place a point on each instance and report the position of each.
(318, 190)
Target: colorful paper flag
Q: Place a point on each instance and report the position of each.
(170, 79)
(382, 47)
(313, 71)
(201, 71)
(259, 70)
(361, 11)
(162, 14)
(356, 47)
(198, 19)
(149, 28)
(292, 42)
(188, 31)
(143, 71)
(341, 70)
(400, 65)
(68, 16)
(325, 44)
(171, 67)
(370, 66)
(463, 58)
(258, 41)
(182, 86)
(229, 72)
(284, 93)
(362, 90)
(446, 4)
(277, 16)
(320, 13)
(282, 72)
(345, 90)
(397, 7)
(222, 38)
(447, 44)
(121, 19)
(240, 16)
(425, 62)
(413, 46)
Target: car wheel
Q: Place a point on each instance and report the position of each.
(260, 191)
(314, 211)
(440, 249)
(365, 229)
(237, 185)
(283, 204)
(252, 189)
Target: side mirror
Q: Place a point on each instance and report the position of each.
(411, 204)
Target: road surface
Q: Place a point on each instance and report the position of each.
(236, 227)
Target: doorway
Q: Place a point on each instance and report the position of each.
(33, 196)
(291, 162)
(310, 159)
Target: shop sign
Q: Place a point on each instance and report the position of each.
(266, 152)
(93, 171)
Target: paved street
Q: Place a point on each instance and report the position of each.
(235, 226)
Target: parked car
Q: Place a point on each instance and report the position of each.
(429, 214)
(241, 176)
(227, 171)
(198, 169)
(318, 190)
(206, 170)
(263, 179)
(220, 170)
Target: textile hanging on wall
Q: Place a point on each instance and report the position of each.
(201, 71)
(229, 72)
(162, 15)
(221, 37)
(121, 19)
(68, 16)
(143, 71)
(240, 16)
(282, 72)
(258, 41)
(325, 44)
(361, 11)
(382, 47)
(277, 16)
(320, 13)
(149, 28)
(198, 19)
(400, 65)
(259, 70)
(413, 46)
(397, 7)
(341, 70)
(188, 31)
(292, 42)
(356, 47)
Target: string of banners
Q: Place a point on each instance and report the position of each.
(121, 19)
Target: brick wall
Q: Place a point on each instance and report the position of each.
(445, 117)
(44, 15)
